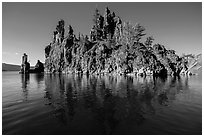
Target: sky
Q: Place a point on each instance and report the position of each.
(28, 27)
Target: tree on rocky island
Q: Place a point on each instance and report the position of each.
(97, 29)
(109, 24)
(149, 41)
(60, 31)
(70, 31)
(138, 32)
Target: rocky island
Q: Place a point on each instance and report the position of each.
(113, 47)
(25, 66)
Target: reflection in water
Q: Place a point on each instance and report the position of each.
(71, 100)
(101, 104)
(25, 78)
(109, 100)
(163, 99)
(39, 78)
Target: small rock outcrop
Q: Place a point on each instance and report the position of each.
(25, 65)
(39, 67)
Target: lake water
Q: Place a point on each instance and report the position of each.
(71, 104)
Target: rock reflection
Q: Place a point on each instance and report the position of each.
(109, 100)
(25, 78)
(55, 95)
(39, 78)
(70, 100)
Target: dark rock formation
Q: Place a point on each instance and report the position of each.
(25, 66)
(39, 67)
(114, 47)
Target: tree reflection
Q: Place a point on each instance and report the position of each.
(55, 96)
(25, 78)
(48, 89)
(163, 99)
(70, 100)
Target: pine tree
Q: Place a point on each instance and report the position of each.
(96, 17)
(107, 22)
(60, 27)
(138, 29)
(70, 30)
(79, 36)
(97, 29)
(149, 41)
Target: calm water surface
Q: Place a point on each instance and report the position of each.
(70, 104)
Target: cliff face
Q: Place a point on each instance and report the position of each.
(113, 47)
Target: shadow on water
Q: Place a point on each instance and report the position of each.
(105, 103)
(25, 79)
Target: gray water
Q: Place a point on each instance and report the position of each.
(71, 104)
